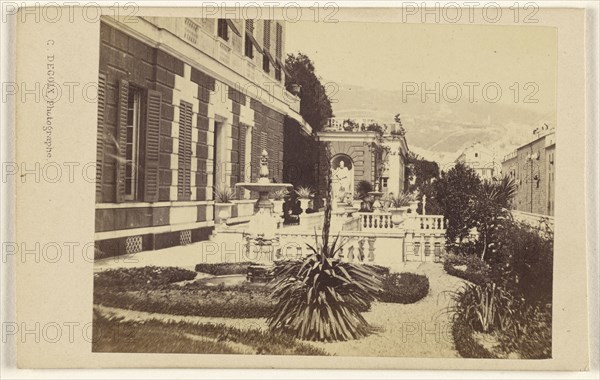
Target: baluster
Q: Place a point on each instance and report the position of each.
(371, 248)
(361, 250)
(341, 253)
(351, 253)
(370, 221)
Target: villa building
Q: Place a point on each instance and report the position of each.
(481, 159)
(354, 158)
(532, 165)
(186, 105)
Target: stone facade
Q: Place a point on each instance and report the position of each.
(532, 167)
(173, 125)
(482, 160)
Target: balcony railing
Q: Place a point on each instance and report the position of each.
(385, 222)
(359, 125)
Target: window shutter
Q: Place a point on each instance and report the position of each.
(242, 158)
(100, 144)
(278, 40)
(121, 139)
(152, 146)
(267, 35)
(185, 152)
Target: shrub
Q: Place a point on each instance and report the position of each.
(363, 188)
(403, 288)
(531, 333)
(145, 276)
(321, 298)
(197, 299)
(523, 262)
(222, 269)
(486, 308)
(476, 270)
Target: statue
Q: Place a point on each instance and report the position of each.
(341, 177)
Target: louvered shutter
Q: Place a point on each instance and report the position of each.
(100, 143)
(242, 157)
(152, 146)
(267, 35)
(278, 41)
(121, 139)
(185, 152)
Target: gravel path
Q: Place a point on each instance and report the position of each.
(421, 329)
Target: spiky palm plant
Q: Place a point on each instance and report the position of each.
(320, 297)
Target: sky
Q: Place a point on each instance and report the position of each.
(362, 61)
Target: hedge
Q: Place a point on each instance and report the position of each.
(222, 269)
(403, 288)
(141, 277)
(477, 271)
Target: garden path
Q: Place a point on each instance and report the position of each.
(421, 329)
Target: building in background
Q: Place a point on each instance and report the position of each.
(185, 105)
(354, 159)
(532, 166)
(481, 159)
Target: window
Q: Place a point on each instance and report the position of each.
(185, 151)
(278, 41)
(248, 48)
(278, 72)
(222, 29)
(266, 45)
(476, 155)
(266, 67)
(138, 139)
(132, 143)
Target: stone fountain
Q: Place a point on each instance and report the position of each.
(263, 224)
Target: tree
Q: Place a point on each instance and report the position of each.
(420, 171)
(454, 192)
(322, 297)
(315, 105)
(489, 208)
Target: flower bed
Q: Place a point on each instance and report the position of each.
(154, 290)
(222, 269)
(468, 267)
(141, 277)
(403, 288)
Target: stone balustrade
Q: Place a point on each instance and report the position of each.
(383, 222)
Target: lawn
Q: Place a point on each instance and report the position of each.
(153, 336)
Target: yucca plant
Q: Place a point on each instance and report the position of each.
(401, 200)
(304, 192)
(224, 194)
(485, 308)
(280, 194)
(320, 297)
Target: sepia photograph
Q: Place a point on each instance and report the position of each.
(291, 188)
(203, 189)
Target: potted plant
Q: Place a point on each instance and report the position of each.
(223, 197)
(398, 207)
(413, 203)
(278, 200)
(304, 193)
